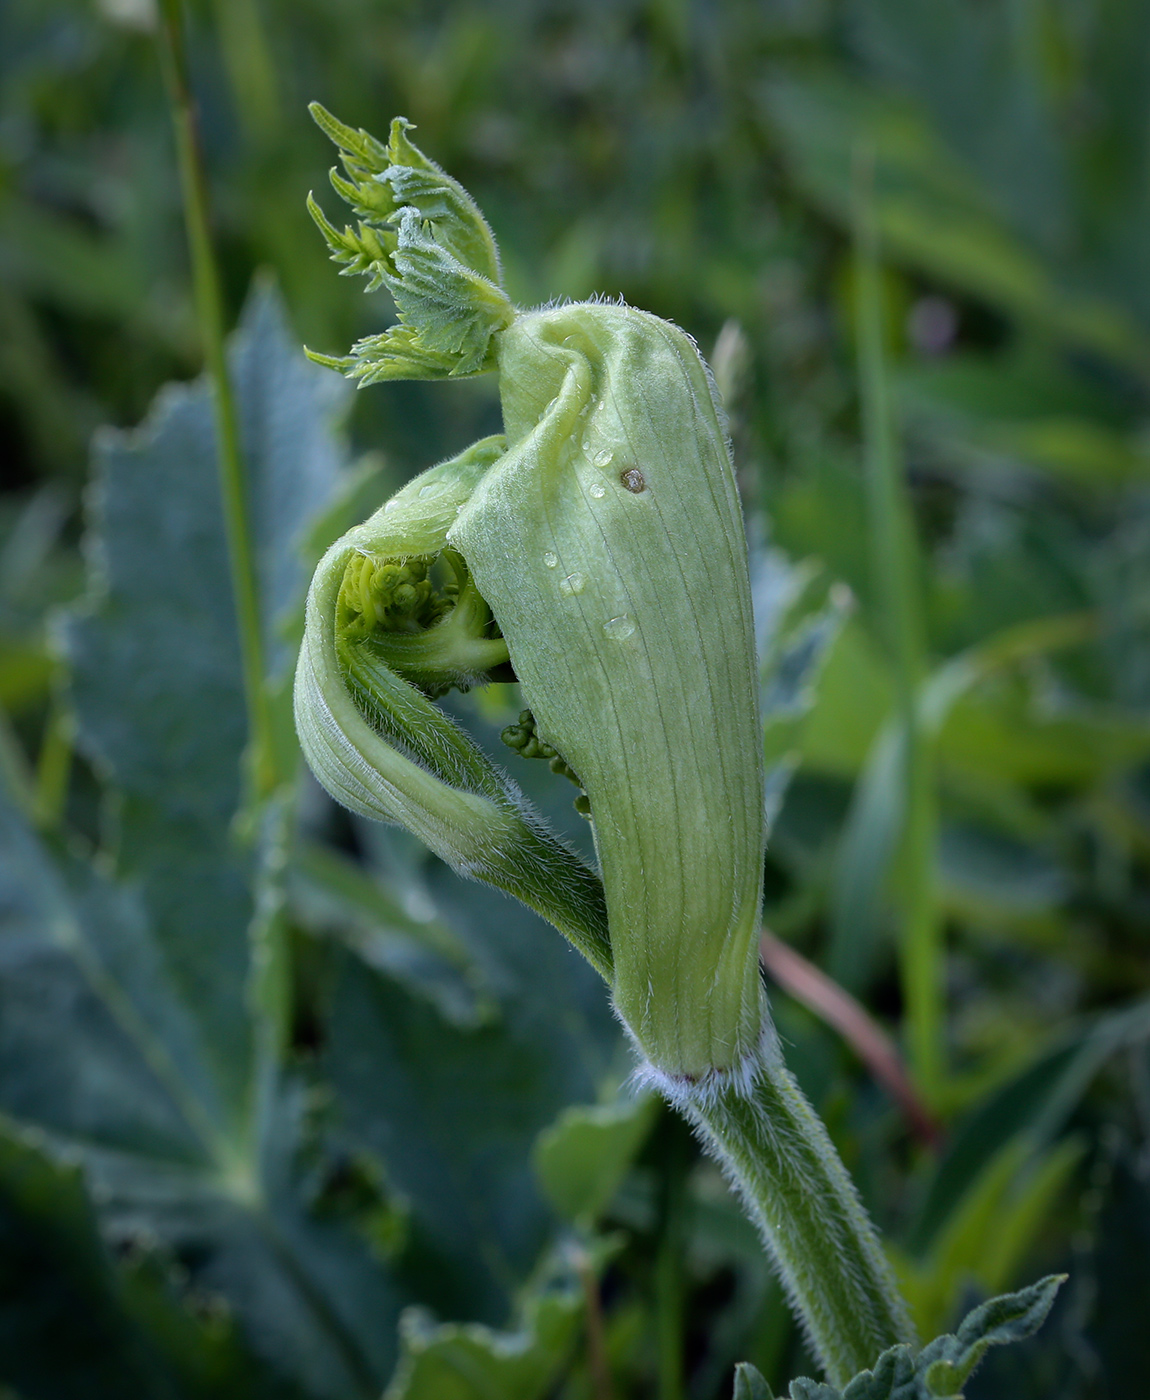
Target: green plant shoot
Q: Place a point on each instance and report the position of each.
(598, 551)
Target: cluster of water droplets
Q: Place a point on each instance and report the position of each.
(622, 626)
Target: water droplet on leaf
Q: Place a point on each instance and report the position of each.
(603, 457)
(572, 584)
(550, 559)
(619, 628)
(598, 491)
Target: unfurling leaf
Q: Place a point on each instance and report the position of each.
(422, 236)
(377, 612)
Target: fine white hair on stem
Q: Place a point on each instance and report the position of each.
(739, 1079)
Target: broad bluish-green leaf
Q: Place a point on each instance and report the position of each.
(75, 1324)
(126, 1031)
(155, 681)
(99, 1051)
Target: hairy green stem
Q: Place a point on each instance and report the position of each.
(894, 567)
(778, 1156)
(232, 475)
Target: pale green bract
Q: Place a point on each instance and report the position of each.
(609, 542)
(597, 549)
(603, 552)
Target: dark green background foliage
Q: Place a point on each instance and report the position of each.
(265, 1093)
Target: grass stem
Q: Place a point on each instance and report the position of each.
(53, 767)
(230, 457)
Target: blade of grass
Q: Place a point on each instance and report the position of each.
(233, 476)
(878, 808)
(267, 812)
(894, 565)
(53, 767)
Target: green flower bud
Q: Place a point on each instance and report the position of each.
(603, 553)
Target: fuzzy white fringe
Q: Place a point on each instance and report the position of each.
(699, 1091)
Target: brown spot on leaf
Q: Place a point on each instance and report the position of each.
(632, 479)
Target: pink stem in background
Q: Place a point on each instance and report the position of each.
(838, 1009)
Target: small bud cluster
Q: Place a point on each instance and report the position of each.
(393, 596)
(524, 738)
